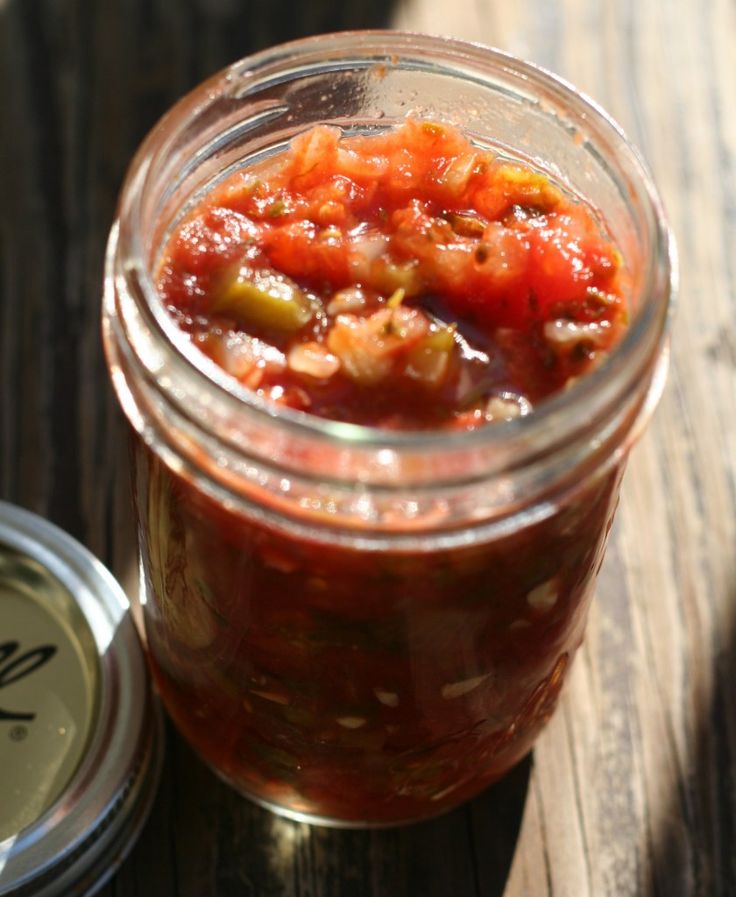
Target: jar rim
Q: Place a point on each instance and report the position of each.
(644, 337)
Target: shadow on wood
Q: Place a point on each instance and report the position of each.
(217, 844)
(695, 837)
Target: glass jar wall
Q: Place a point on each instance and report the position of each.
(351, 625)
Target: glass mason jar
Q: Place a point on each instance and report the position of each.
(355, 626)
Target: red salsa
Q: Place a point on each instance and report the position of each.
(408, 279)
(402, 280)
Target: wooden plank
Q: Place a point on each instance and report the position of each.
(633, 786)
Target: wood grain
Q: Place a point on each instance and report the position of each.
(632, 790)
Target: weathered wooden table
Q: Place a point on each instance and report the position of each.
(632, 789)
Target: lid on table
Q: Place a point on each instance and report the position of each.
(80, 733)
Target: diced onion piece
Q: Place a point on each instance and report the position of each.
(364, 250)
(544, 596)
(507, 406)
(241, 355)
(351, 722)
(439, 795)
(347, 300)
(265, 299)
(429, 360)
(464, 687)
(563, 335)
(358, 347)
(458, 173)
(290, 396)
(361, 166)
(367, 347)
(314, 151)
(313, 359)
(273, 696)
(387, 698)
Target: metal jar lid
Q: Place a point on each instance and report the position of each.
(80, 731)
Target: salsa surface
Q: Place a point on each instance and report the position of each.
(407, 279)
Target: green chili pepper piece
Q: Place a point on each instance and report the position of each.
(264, 299)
